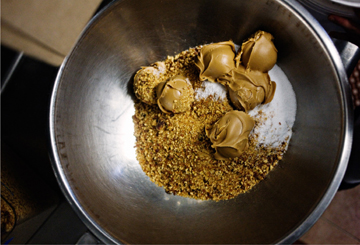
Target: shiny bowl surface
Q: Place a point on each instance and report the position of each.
(92, 130)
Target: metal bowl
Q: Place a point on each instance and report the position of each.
(92, 130)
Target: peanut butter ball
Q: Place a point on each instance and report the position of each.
(248, 88)
(215, 60)
(175, 95)
(230, 135)
(145, 81)
(258, 53)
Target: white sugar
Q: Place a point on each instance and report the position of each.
(208, 88)
(277, 117)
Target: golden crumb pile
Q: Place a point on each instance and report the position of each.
(183, 63)
(174, 151)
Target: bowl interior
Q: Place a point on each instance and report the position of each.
(93, 128)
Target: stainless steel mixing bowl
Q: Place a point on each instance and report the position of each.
(92, 131)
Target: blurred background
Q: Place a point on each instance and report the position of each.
(36, 36)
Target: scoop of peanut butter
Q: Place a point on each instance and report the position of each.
(248, 88)
(215, 60)
(145, 81)
(175, 95)
(229, 135)
(258, 52)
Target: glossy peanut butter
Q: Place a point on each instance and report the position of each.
(248, 88)
(229, 135)
(258, 52)
(175, 95)
(216, 60)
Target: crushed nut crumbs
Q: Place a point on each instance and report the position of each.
(174, 151)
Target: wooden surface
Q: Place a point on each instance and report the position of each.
(46, 30)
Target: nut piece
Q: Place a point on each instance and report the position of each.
(145, 81)
(215, 60)
(258, 53)
(230, 134)
(248, 88)
(175, 95)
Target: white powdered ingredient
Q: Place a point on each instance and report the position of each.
(208, 88)
(276, 118)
